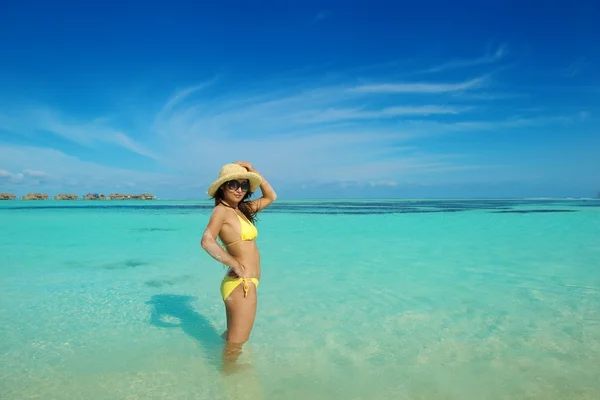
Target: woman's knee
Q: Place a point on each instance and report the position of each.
(235, 342)
(240, 324)
(237, 338)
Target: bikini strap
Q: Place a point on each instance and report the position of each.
(225, 203)
(243, 216)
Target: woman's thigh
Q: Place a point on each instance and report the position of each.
(241, 312)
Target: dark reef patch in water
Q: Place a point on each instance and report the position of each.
(330, 206)
(108, 265)
(158, 284)
(532, 211)
(153, 230)
(126, 264)
(368, 212)
(590, 204)
(116, 207)
(384, 207)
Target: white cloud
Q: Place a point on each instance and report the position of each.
(9, 177)
(372, 133)
(39, 121)
(37, 174)
(419, 87)
(200, 143)
(382, 183)
(321, 133)
(39, 166)
(338, 114)
(490, 57)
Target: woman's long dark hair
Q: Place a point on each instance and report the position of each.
(242, 205)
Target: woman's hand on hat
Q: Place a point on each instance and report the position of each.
(246, 165)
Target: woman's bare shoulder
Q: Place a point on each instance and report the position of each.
(221, 213)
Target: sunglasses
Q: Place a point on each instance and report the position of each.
(235, 185)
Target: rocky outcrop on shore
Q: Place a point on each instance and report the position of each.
(7, 196)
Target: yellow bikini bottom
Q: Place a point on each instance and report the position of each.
(229, 283)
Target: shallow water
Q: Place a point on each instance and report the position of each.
(377, 299)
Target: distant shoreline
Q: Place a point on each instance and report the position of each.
(75, 197)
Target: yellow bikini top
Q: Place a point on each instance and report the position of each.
(247, 229)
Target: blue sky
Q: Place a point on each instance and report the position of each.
(326, 99)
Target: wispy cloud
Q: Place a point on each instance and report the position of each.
(575, 68)
(26, 176)
(419, 87)
(182, 94)
(488, 96)
(339, 114)
(43, 121)
(375, 132)
(491, 56)
(424, 128)
(328, 133)
(40, 166)
(326, 130)
(321, 15)
(7, 176)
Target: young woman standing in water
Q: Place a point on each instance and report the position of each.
(232, 221)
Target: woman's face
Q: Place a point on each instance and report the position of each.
(235, 190)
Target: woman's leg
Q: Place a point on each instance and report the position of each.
(241, 312)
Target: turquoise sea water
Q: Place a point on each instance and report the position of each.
(378, 299)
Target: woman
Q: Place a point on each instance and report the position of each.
(232, 221)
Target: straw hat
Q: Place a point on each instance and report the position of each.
(234, 171)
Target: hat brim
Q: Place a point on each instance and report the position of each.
(254, 179)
